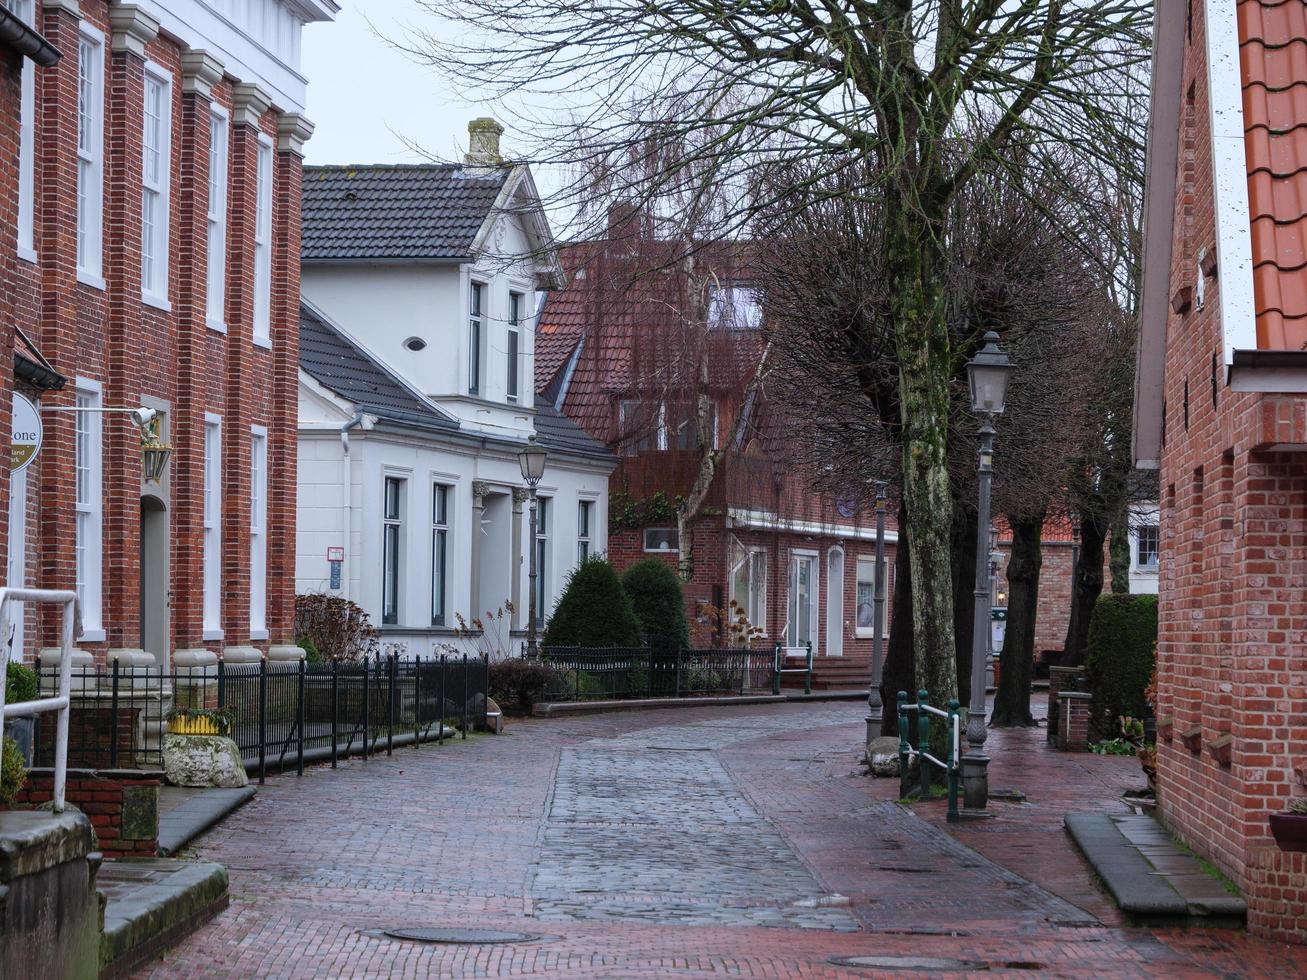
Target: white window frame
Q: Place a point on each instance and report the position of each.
(156, 182)
(542, 548)
(441, 535)
(392, 590)
(792, 638)
(513, 346)
(675, 547)
(263, 181)
(212, 552)
(24, 10)
(1157, 548)
(748, 559)
(88, 497)
(477, 293)
(258, 532)
(865, 574)
(585, 516)
(90, 158)
(215, 283)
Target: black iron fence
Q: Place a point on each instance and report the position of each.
(604, 673)
(282, 713)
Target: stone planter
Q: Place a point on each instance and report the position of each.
(1290, 830)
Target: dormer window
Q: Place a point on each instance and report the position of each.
(734, 308)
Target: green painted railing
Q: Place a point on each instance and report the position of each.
(778, 668)
(951, 767)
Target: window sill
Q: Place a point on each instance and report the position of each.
(264, 342)
(92, 636)
(217, 326)
(91, 279)
(155, 300)
(213, 635)
(27, 254)
(258, 634)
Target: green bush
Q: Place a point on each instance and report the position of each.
(1122, 644)
(13, 771)
(517, 683)
(594, 610)
(21, 683)
(311, 653)
(659, 604)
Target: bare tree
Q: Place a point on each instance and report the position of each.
(893, 82)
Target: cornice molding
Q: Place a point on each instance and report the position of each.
(248, 103)
(200, 72)
(293, 131)
(132, 29)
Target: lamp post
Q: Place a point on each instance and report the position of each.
(532, 461)
(988, 374)
(875, 706)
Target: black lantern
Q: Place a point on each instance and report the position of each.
(988, 374)
(532, 460)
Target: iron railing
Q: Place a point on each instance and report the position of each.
(953, 750)
(614, 673)
(283, 714)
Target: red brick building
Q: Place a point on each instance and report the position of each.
(1221, 410)
(152, 261)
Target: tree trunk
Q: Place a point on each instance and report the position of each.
(1118, 552)
(964, 597)
(1012, 702)
(899, 672)
(1086, 586)
(925, 362)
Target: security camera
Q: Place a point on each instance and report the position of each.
(141, 417)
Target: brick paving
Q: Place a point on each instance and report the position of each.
(683, 842)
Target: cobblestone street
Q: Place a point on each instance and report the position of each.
(683, 842)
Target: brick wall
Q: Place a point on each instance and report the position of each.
(122, 804)
(171, 357)
(1230, 655)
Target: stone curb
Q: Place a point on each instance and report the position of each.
(550, 709)
(155, 917)
(182, 824)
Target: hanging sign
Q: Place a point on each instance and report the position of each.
(27, 433)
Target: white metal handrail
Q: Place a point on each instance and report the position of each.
(955, 736)
(72, 626)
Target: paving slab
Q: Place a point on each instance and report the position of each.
(186, 812)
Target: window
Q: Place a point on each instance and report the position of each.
(212, 527)
(1147, 546)
(542, 554)
(865, 595)
(749, 583)
(263, 244)
(439, 553)
(23, 10)
(643, 426)
(683, 434)
(514, 342)
(90, 148)
(156, 139)
(258, 539)
(89, 535)
(661, 539)
(734, 308)
(392, 516)
(474, 339)
(583, 509)
(803, 601)
(216, 279)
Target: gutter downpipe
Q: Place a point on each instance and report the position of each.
(347, 502)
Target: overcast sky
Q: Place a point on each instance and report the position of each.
(365, 98)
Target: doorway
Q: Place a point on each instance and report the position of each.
(154, 579)
(835, 602)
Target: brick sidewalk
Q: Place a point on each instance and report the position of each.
(685, 842)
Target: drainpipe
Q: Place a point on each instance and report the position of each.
(347, 502)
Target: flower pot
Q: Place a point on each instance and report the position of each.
(21, 731)
(1290, 830)
(194, 725)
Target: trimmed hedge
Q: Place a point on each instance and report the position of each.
(658, 603)
(1122, 645)
(594, 610)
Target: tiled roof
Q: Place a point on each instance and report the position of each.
(416, 212)
(337, 363)
(553, 350)
(1273, 55)
(556, 431)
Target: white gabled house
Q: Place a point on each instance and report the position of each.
(421, 286)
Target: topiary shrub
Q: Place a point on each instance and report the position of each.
(594, 610)
(13, 771)
(659, 605)
(21, 683)
(1119, 662)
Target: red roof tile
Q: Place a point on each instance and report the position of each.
(1273, 58)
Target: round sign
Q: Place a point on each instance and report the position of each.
(846, 505)
(26, 433)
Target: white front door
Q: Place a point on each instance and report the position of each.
(835, 602)
(802, 628)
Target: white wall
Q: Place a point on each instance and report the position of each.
(1143, 580)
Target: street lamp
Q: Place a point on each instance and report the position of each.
(532, 460)
(988, 374)
(875, 706)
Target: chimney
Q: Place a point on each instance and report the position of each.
(483, 144)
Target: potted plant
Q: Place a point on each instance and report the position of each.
(199, 721)
(21, 684)
(1290, 827)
